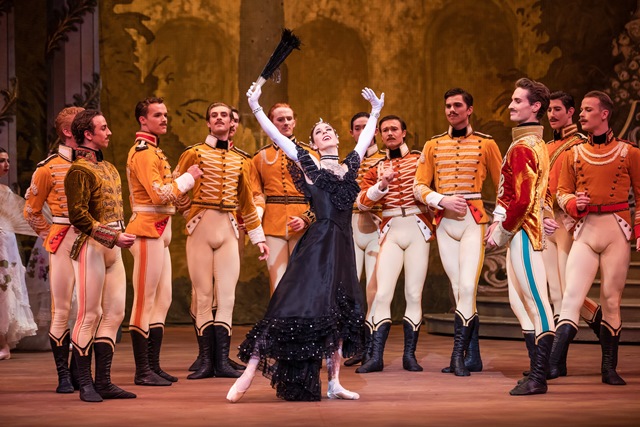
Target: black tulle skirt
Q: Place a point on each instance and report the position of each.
(317, 306)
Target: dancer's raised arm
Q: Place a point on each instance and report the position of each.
(253, 95)
(369, 130)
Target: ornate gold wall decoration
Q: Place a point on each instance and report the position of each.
(10, 96)
(67, 19)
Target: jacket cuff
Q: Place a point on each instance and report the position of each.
(105, 235)
(257, 235)
(501, 236)
(499, 213)
(433, 199)
(375, 193)
(185, 182)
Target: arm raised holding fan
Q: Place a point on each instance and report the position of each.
(324, 137)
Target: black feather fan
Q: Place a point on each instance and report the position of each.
(288, 42)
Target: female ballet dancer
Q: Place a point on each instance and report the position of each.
(317, 310)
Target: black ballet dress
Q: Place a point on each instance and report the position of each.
(318, 301)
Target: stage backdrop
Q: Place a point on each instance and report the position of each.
(193, 52)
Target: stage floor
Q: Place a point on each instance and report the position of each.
(393, 397)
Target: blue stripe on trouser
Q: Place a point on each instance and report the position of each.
(526, 256)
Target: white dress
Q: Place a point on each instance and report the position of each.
(16, 318)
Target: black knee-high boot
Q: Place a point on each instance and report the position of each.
(595, 322)
(609, 340)
(536, 382)
(196, 363)
(460, 345)
(205, 345)
(565, 333)
(144, 375)
(378, 342)
(366, 351)
(222, 368)
(155, 342)
(103, 385)
(88, 392)
(60, 350)
(411, 335)
(472, 359)
(530, 343)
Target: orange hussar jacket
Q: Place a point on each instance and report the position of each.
(457, 166)
(398, 199)
(152, 189)
(274, 193)
(47, 185)
(224, 186)
(605, 172)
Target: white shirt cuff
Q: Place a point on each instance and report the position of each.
(185, 182)
(433, 199)
(375, 193)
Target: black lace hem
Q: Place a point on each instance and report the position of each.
(291, 350)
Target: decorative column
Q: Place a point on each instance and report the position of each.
(261, 23)
(73, 56)
(8, 89)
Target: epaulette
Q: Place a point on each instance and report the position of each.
(141, 145)
(631, 143)
(194, 145)
(47, 160)
(242, 153)
(439, 135)
(264, 148)
(484, 135)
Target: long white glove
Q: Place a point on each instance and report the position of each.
(370, 129)
(289, 148)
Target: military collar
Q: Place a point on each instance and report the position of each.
(565, 132)
(468, 131)
(373, 149)
(94, 156)
(292, 138)
(148, 138)
(65, 152)
(213, 142)
(527, 129)
(399, 152)
(607, 140)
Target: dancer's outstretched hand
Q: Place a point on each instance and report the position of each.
(264, 251)
(253, 95)
(370, 95)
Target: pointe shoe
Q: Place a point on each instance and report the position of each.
(342, 393)
(235, 394)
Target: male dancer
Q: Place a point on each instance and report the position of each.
(152, 193)
(212, 244)
(406, 231)
(365, 233)
(565, 136)
(47, 185)
(518, 221)
(282, 208)
(593, 189)
(233, 128)
(449, 178)
(94, 193)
